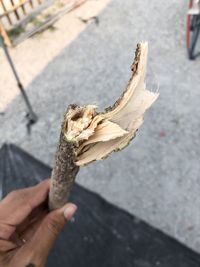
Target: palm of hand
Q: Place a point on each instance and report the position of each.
(21, 214)
(27, 229)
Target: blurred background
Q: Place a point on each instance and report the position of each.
(81, 53)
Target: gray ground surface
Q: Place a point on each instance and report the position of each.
(157, 177)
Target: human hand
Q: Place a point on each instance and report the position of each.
(27, 229)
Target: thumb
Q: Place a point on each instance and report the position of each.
(50, 228)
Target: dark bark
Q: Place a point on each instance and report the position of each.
(63, 174)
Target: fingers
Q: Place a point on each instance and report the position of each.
(34, 252)
(17, 205)
(50, 227)
(6, 230)
(5, 245)
(27, 230)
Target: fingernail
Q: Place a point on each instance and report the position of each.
(69, 211)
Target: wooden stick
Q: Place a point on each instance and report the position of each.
(63, 174)
(87, 136)
(5, 35)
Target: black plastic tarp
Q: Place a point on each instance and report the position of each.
(101, 235)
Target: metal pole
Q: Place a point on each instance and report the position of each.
(32, 117)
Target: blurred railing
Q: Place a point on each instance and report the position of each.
(15, 14)
(14, 11)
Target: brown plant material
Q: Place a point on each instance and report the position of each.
(87, 136)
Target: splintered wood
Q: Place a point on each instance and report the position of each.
(87, 135)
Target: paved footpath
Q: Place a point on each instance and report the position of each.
(157, 177)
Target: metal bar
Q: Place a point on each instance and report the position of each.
(5, 12)
(23, 8)
(31, 3)
(15, 11)
(32, 118)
